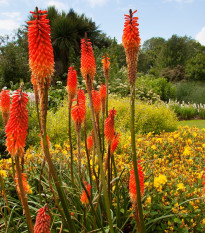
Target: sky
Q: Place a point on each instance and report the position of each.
(157, 18)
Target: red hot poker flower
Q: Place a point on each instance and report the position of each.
(42, 224)
(106, 65)
(72, 82)
(26, 186)
(88, 67)
(131, 42)
(109, 126)
(89, 142)
(41, 58)
(103, 96)
(96, 101)
(114, 144)
(79, 110)
(16, 128)
(84, 199)
(5, 105)
(132, 184)
(102, 92)
(131, 38)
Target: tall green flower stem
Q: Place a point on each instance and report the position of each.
(98, 129)
(70, 138)
(109, 171)
(88, 155)
(134, 157)
(23, 195)
(4, 193)
(43, 88)
(106, 84)
(107, 203)
(78, 130)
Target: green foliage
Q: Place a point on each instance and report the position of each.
(56, 95)
(193, 92)
(187, 111)
(149, 87)
(148, 117)
(196, 67)
(14, 63)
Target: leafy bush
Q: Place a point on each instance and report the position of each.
(193, 92)
(160, 86)
(187, 111)
(148, 117)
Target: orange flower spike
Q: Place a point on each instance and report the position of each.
(16, 128)
(84, 199)
(131, 38)
(41, 59)
(132, 184)
(88, 67)
(96, 101)
(72, 82)
(109, 126)
(106, 65)
(26, 186)
(102, 92)
(79, 110)
(42, 224)
(114, 144)
(5, 105)
(131, 43)
(90, 142)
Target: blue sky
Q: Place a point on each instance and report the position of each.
(157, 18)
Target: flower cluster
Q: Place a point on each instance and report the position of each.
(84, 198)
(5, 105)
(16, 128)
(41, 58)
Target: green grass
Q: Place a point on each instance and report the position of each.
(198, 123)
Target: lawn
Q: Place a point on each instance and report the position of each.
(198, 123)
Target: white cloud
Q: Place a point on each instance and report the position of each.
(94, 3)
(7, 25)
(13, 15)
(3, 2)
(201, 36)
(59, 5)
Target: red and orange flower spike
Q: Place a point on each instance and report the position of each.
(131, 43)
(88, 67)
(42, 224)
(114, 143)
(16, 128)
(109, 126)
(26, 186)
(132, 184)
(5, 105)
(79, 110)
(41, 58)
(84, 198)
(106, 65)
(72, 82)
(103, 96)
(96, 101)
(90, 142)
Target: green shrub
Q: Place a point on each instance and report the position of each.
(148, 117)
(193, 92)
(146, 85)
(202, 113)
